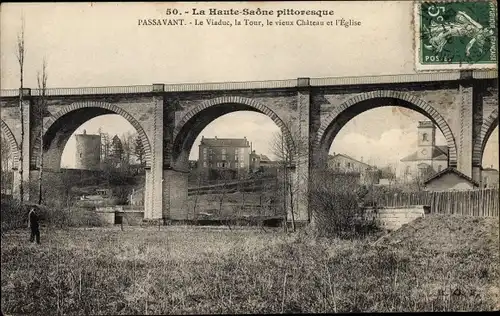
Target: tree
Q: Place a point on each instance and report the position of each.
(41, 109)
(128, 148)
(139, 150)
(290, 153)
(388, 172)
(105, 148)
(21, 53)
(422, 174)
(116, 151)
(337, 198)
(222, 194)
(198, 177)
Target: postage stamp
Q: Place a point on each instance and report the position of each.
(453, 35)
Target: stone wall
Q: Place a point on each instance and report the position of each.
(392, 218)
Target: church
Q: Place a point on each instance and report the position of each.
(429, 158)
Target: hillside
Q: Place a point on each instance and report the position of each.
(449, 233)
(462, 251)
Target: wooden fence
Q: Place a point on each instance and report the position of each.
(235, 186)
(483, 202)
(238, 210)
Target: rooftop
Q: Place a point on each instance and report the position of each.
(264, 158)
(438, 153)
(451, 170)
(348, 157)
(224, 142)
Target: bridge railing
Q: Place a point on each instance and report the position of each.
(265, 84)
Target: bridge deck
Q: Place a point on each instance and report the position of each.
(255, 85)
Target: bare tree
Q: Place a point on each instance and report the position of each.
(128, 149)
(21, 53)
(389, 172)
(199, 177)
(223, 192)
(105, 148)
(41, 108)
(290, 148)
(420, 176)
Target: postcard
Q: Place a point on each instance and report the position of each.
(249, 157)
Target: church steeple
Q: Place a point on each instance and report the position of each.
(426, 139)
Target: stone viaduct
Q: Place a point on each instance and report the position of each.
(168, 118)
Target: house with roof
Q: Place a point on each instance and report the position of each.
(429, 158)
(449, 179)
(224, 158)
(342, 163)
(259, 162)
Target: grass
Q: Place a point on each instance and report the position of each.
(434, 264)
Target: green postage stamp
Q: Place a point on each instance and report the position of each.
(455, 35)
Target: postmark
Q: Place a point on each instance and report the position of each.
(451, 35)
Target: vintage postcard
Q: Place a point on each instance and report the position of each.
(249, 157)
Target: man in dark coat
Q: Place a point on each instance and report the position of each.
(33, 219)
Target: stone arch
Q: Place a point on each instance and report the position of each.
(221, 106)
(14, 147)
(364, 102)
(106, 108)
(487, 128)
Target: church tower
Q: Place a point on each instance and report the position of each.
(426, 139)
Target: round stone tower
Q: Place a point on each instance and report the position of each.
(88, 151)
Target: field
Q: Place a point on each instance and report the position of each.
(440, 263)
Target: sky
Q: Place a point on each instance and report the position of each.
(101, 44)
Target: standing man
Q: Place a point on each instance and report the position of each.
(33, 225)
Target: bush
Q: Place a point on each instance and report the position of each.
(336, 200)
(71, 217)
(80, 217)
(13, 216)
(375, 195)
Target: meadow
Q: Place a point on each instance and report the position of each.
(439, 263)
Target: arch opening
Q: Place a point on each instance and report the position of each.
(230, 150)
(10, 144)
(92, 149)
(59, 128)
(489, 162)
(8, 160)
(57, 134)
(490, 149)
(388, 145)
(196, 121)
(360, 104)
(487, 137)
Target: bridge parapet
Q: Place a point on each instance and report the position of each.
(256, 85)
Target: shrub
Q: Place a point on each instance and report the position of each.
(375, 195)
(71, 217)
(13, 216)
(337, 209)
(79, 217)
